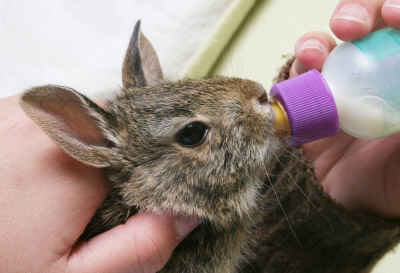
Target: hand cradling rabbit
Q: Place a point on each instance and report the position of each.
(207, 148)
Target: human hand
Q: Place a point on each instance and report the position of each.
(361, 175)
(47, 199)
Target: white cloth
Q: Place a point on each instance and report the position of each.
(81, 43)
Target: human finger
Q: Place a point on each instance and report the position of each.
(144, 244)
(311, 51)
(353, 19)
(391, 13)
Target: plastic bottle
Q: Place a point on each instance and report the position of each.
(358, 90)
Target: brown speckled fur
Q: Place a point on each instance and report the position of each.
(261, 207)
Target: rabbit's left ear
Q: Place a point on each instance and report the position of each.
(75, 123)
(141, 65)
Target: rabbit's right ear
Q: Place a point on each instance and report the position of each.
(141, 65)
(73, 121)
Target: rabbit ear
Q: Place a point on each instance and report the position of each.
(141, 65)
(72, 120)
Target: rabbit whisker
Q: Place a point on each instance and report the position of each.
(283, 211)
(303, 193)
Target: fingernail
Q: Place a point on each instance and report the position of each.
(353, 12)
(312, 44)
(392, 4)
(184, 225)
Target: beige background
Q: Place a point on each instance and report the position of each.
(270, 31)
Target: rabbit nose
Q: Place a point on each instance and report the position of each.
(263, 99)
(260, 93)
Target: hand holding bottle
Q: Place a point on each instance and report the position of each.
(360, 174)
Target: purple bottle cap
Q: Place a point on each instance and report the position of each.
(309, 105)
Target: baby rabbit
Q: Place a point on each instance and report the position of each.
(202, 148)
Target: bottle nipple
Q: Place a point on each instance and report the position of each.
(281, 121)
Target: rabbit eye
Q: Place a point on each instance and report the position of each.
(192, 134)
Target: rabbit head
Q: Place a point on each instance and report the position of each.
(193, 147)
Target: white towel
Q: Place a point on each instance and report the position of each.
(81, 43)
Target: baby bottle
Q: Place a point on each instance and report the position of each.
(358, 90)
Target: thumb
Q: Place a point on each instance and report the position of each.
(143, 244)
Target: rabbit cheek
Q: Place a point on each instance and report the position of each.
(185, 193)
(142, 189)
